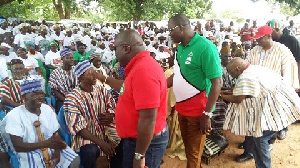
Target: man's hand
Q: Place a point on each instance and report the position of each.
(139, 163)
(107, 148)
(106, 119)
(205, 124)
(55, 143)
(55, 157)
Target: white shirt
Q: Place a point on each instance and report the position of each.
(12, 55)
(19, 122)
(2, 31)
(87, 41)
(59, 38)
(39, 56)
(30, 63)
(108, 56)
(68, 41)
(3, 69)
(39, 38)
(161, 55)
(53, 58)
(21, 40)
(77, 37)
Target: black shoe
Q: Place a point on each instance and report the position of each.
(281, 135)
(243, 158)
(241, 146)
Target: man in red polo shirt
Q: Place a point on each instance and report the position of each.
(142, 105)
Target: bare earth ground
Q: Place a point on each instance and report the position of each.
(285, 153)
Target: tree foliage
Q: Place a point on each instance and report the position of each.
(114, 10)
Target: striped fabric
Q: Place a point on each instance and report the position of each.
(28, 86)
(81, 67)
(272, 103)
(62, 81)
(64, 52)
(82, 110)
(10, 89)
(279, 59)
(3, 144)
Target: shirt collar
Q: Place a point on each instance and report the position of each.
(135, 59)
(193, 40)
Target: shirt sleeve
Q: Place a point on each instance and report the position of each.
(17, 40)
(35, 63)
(41, 57)
(73, 116)
(14, 124)
(295, 48)
(146, 89)
(246, 86)
(5, 90)
(47, 59)
(211, 63)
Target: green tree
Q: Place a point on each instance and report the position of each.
(126, 10)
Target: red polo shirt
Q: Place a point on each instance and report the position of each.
(144, 87)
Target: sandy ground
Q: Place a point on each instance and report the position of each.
(285, 153)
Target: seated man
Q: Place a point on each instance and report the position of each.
(62, 80)
(10, 88)
(33, 127)
(89, 111)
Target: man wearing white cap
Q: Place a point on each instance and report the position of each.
(22, 125)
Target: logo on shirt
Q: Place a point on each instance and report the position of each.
(122, 89)
(189, 58)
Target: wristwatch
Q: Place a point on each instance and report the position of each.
(209, 114)
(138, 156)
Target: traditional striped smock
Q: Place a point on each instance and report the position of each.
(83, 109)
(278, 58)
(272, 104)
(10, 89)
(62, 81)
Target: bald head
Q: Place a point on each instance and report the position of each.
(127, 45)
(180, 19)
(236, 62)
(130, 37)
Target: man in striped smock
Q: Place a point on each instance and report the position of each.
(89, 113)
(277, 57)
(63, 79)
(10, 88)
(261, 103)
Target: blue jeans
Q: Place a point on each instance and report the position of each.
(154, 154)
(248, 146)
(261, 150)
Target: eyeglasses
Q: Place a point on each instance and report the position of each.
(127, 45)
(170, 30)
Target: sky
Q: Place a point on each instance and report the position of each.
(247, 9)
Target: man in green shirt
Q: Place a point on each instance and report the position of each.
(197, 83)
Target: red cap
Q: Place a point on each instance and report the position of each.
(262, 31)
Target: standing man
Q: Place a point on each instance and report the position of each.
(291, 29)
(142, 105)
(293, 44)
(275, 56)
(197, 83)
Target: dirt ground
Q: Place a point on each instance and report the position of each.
(285, 153)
